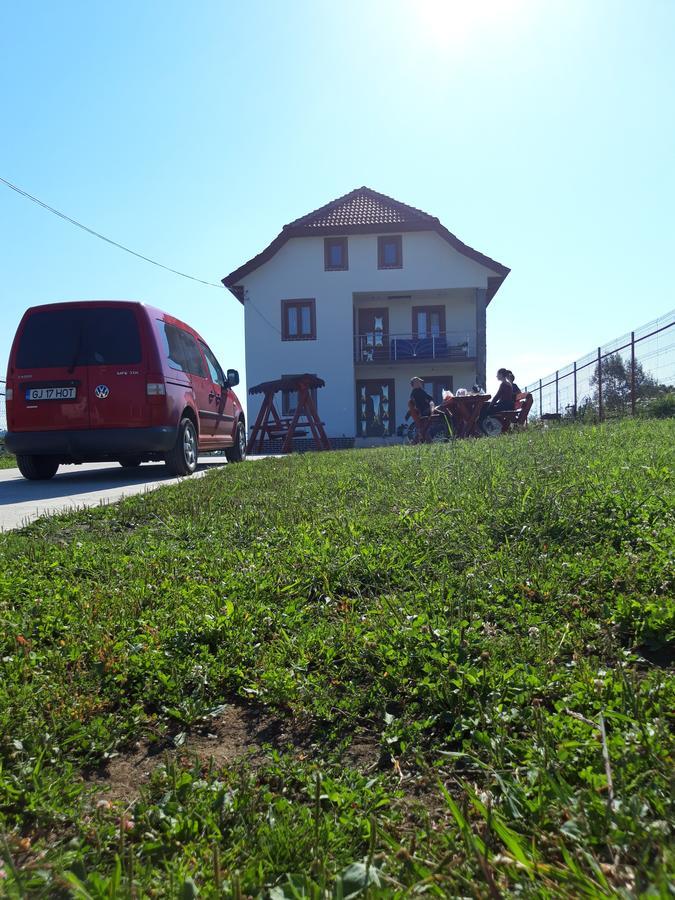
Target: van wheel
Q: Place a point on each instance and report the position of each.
(237, 453)
(182, 460)
(37, 468)
(130, 462)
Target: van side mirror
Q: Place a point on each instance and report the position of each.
(232, 377)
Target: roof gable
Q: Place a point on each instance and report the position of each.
(364, 211)
(362, 206)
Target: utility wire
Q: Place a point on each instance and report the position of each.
(103, 237)
(108, 240)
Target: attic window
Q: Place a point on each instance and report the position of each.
(390, 252)
(335, 254)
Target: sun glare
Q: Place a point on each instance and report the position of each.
(456, 23)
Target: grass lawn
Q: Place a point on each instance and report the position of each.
(436, 669)
(7, 461)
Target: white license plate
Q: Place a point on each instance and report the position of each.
(51, 393)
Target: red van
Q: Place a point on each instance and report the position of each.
(116, 380)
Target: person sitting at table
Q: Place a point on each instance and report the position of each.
(514, 386)
(503, 400)
(420, 407)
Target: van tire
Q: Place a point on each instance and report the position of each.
(37, 468)
(182, 459)
(130, 462)
(237, 453)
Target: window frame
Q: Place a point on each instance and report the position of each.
(342, 242)
(396, 239)
(438, 382)
(438, 308)
(285, 397)
(298, 304)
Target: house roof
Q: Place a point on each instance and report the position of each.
(364, 211)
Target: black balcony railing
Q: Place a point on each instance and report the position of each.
(378, 346)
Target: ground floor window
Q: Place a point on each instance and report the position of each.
(434, 385)
(375, 408)
(289, 399)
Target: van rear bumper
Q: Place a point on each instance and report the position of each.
(92, 444)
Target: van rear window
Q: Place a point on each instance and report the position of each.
(90, 336)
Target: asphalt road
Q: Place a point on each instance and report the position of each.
(75, 487)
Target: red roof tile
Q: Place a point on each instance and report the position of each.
(361, 207)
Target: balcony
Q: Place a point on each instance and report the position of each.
(447, 346)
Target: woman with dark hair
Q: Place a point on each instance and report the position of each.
(502, 401)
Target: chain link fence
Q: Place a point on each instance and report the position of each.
(617, 379)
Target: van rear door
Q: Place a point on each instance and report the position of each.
(52, 383)
(80, 366)
(117, 367)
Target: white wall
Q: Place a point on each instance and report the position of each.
(297, 272)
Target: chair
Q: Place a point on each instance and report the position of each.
(517, 417)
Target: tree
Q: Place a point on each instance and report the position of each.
(617, 380)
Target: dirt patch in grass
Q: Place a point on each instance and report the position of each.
(233, 735)
(364, 752)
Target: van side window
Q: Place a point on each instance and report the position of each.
(181, 350)
(214, 366)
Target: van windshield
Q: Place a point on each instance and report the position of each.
(84, 336)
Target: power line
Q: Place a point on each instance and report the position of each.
(108, 240)
(147, 259)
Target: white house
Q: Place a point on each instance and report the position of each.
(366, 292)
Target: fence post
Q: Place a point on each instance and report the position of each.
(600, 384)
(540, 406)
(575, 390)
(556, 392)
(632, 373)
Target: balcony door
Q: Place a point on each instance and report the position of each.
(375, 408)
(373, 336)
(428, 322)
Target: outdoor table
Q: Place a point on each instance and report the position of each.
(466, 411)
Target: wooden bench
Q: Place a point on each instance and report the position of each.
(516, 418)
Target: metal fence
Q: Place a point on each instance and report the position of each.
(3, 409)
(614, 380)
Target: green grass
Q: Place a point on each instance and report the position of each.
(494, 619)
(7, 461)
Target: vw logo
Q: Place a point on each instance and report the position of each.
(102, 391)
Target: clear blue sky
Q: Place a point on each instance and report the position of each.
(541, 132)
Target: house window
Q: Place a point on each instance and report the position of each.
(428, 321)
(390, 252)
(434, 385)
(298, 320)
(335, 254)
(289, 399)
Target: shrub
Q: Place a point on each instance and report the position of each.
(660, 407)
